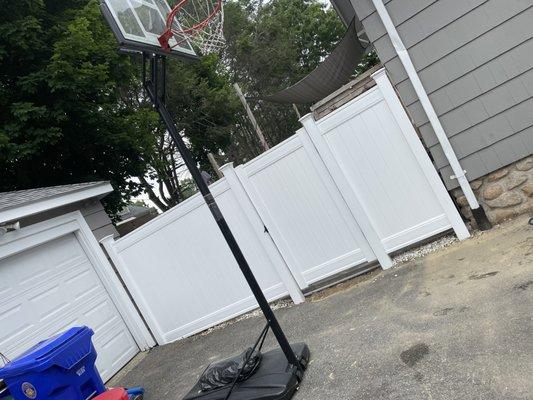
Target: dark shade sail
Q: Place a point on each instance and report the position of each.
(330, 75)
(345, 10)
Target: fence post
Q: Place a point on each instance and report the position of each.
(253, 217)
(346, 190)
(420, 154)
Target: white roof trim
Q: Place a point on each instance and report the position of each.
(126, 220)
(42, 205)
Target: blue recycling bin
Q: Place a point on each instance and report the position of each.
(60, 368)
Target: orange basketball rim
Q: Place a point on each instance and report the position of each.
(199, 21)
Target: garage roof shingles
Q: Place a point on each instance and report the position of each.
(21, 197)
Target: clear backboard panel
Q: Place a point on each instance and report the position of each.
(137, 24)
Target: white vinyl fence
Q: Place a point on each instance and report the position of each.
(373, 152)
(182, 274)
(348, 189)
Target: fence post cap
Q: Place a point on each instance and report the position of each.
(226, 166)
(379, 74)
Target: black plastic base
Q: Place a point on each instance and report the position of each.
(275, 379)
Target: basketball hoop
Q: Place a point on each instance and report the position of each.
(200, 22)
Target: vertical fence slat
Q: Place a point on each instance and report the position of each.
(253, 217)
(281, 245)
(350, 196)
(304, 211)
(419, 152)
(329, 182)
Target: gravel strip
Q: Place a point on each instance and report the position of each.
(424, 250)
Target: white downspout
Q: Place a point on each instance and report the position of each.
(426, 104)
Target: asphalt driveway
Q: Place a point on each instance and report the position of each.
(456, 324)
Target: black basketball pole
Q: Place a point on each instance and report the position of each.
(154, 85)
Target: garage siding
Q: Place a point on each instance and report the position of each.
(475, 59)
(92, 210)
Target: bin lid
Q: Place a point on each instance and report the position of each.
(40, 354)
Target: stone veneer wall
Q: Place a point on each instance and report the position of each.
(504, 193)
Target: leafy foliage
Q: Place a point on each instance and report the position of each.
(369, 60)
(62, 118)
(272, 46)
(72, 109)
(203, 104)
(205, 111)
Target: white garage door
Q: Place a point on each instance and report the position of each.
(54, 286)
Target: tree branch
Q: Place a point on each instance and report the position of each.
(151, 194)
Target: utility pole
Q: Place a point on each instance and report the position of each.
(257, 129)
(215, 165)
(295, 108)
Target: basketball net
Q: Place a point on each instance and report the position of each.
(201, 22)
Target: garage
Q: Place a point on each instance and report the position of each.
(54, 275)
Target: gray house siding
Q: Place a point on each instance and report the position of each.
(92, 210)
(475, 59)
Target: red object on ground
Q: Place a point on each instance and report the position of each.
(113, 394)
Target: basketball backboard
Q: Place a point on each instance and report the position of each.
(137, 25)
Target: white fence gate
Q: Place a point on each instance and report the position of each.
(345, 190)
(373, 152)
(304, 211)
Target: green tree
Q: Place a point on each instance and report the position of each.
(277, 44)
(62, 119)
(272, 46)
(72, 109)
(203, 104)
(205, 111)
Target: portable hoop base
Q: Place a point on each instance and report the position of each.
(275, 379)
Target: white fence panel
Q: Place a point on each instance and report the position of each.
(304, 211)
(375, 158)
(181, 272)
(348, 189)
